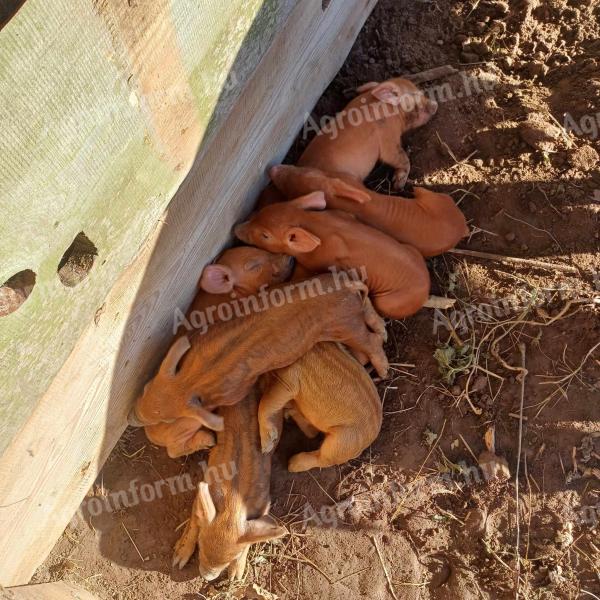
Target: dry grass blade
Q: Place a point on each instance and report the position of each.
(432, 74)
(519, 450)
(451, 154)
(536, 228)
(385, 571)
(514, 259)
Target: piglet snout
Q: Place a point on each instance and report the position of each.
(274, 171)
(241, 232)
(133, 420)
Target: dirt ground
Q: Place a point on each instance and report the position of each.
(516, 142)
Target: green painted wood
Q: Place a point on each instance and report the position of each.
(79, 153)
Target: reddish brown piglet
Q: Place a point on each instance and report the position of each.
(397, 276)
(370, 129)
(430, 222)
(238, 272)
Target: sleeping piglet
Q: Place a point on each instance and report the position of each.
(397, 276)
(431, 222)
(238, 272)
(274, 329)
(370, 129)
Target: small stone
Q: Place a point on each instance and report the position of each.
(539, 133)
(532, 207)
(480, 48)
(479, 383)
(510, 237)
(371, 61)
(584, 158)
(524, 247)
(469, 57)
(475, 521)
(536, 69)
(455, 390)
(477, 162)
(440, 42)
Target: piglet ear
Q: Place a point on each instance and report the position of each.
(314, 201)
(388, 92)
(299, 240)
(349, 191)
(261, 530)
(217, 279)
(204, 507)
(365, 87)
(174, 355)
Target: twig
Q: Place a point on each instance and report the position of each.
(573, 373)
(536, 228)
(518, 524)
(306, 561)
(136, 548)
(439, 302)
(433, 447)
(431, 74)
(387, 575)
(514, 259)
(562, 130)
(451, 154)
(468, 447)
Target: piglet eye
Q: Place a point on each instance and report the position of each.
(252, 266)
(265, 235)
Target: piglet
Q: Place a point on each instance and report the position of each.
(274, 329)
(229, 513)
(430, 222)
(326, 390)
(370, 129)
(238, 272)
(397, 276)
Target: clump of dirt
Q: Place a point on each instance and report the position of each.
(515, 142)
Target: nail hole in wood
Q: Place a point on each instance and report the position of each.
(77, 261)
(15, 291)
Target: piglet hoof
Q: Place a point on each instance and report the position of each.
(400, 179)
(268, 439)
(303, 461)
(381, 364)
(184, 548)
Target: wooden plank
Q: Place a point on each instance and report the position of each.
(97, 136)
(47, 470)
(59, 590)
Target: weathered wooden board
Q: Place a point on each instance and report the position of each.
(49, 466)
(59, 590)
(103, 105)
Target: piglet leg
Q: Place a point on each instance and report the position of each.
(374, 322)
(185, 546)
(270, 413)
(340, 445)
(237, 568)
(394, 155)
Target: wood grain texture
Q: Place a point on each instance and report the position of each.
(103, 105)
(59, 590)
(47, 470)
